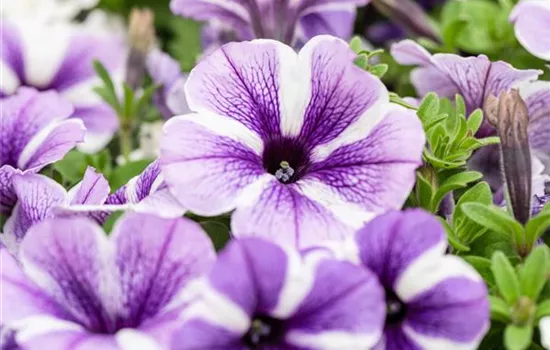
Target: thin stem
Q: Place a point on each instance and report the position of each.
(125, 138)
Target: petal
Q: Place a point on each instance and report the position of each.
(24, 116)
(537, 98)
(288, 215)
(43, 51)
(408, 52)
(20, 297)
(44, 332)
(477, 77)
(335, 19)
(51, 144)
(377, 173)
(164, 70)
(101, 123)
(11, 60)
(156, 258)
(254, 83)
(232, 12)
(344, 104)
(531, 20)
(395, 338)
(391, 242)
(130, 339)
(83, 50)
(454, 314)
(70, 259)
(207, 161)
(344, 310)
(544, 328)
(198, 334)
(176, 100)
(7, 195)
(93, 189)
(37, 195)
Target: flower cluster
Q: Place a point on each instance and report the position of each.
(272, 189)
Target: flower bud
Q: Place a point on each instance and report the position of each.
(511, 119)
(141, 34)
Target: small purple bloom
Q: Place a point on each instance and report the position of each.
(148, 193)
(474, 78)
(74, 287)
(40, 198)
(434, 301)
(34, 131)
(262, 296)
(531, 19)
(165, 71)
(59, 57)
(304, 147)
(291, 22)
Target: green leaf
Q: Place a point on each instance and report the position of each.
(532, 276)
(423, 192)
(108, 91)
(362, 61)
(475, 120)
(379, 69)
(493, 218)
(394, 98)
(217, 231)
(111, 221)
(72, 167)
(500, 311)
(452, 239)
(480, 193)
(518, 338)
(128, 101)
(543, 310)
(355, 44)
(505, 278)
(537, 226)
(455, 182)
(429, 108)
(483, 267)
(460, 106)
(144, 99)
(122, 174)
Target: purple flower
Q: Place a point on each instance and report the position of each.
(59, 57)
(434, 301)
(74, 287)
(34, 131)
(262, 296)
(304, 147)
(40, 198)
(531, 19)
(165, 71)
(474, 78)
(291, 22)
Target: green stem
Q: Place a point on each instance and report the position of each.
(125, 138)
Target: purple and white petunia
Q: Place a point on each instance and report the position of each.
(262, 296)
(34, 131)
(304, 147)
(59, 57)
(531, 19)
(40, 198)
(291, 22)
(165, 71)
(76, 288)
(434, 301)
(474, 78)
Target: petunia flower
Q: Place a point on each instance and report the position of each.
(60, 57)
(544, 328)
(165, 71)
(259, 295)
(531, 19)
(291, 22)
(40, 198)
(76, 287)
(474, 78)
(47, 11)
(34, 131)
(304, 147)
(433, 301)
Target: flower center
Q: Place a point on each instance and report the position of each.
(286, 159)
(264, 330)
(396, 310)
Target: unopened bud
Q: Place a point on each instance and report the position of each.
(410, 16)
(523, 312)
(511, 120)
(141, 34)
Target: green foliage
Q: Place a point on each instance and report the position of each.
(364, 57)
(73, 166)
